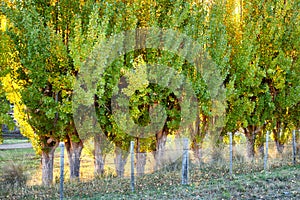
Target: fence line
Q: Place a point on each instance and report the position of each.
(231, 156)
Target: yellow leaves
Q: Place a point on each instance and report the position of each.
(2, 23)
(12, 90)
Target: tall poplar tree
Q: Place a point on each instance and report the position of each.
(41, 33)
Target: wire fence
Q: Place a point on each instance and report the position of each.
(231, 158)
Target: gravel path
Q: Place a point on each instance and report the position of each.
(15, 146)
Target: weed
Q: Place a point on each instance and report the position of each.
(13, 174)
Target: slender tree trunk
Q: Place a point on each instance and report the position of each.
(197, 150)
(120, 161)
(140, 159)
(99, 157)
(277, 134)
(279, 146)
(261, 149)
(261, 143)
(47, 164)
(74, 150)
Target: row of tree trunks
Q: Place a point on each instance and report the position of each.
(74, 149)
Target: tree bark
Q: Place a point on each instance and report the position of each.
(47, 163)
(99, 157)
(74, 149)
(120, 161)
(279, 146)
(261, 149)
(161, 138)
(198, 135)
(197, 150)
(277, 134)
(140, 159)
(250, 135)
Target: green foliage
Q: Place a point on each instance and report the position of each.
(262, 82)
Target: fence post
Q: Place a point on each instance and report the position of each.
(132, 165)
(185, 162)
(294, 147)
(230, 154)
(61, 188)
(266, 152)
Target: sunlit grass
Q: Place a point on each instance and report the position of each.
(14, 141)
(208, 180)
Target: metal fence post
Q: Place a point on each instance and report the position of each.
(132, 165)
(294, 147)
(267, 150)
(61, 188)
(185, 162)
(230, 154)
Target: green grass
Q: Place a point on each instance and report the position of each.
(27, 157)
(15, 141)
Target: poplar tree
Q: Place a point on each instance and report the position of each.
(41, 33)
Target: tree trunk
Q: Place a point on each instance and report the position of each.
(74, 150)
(120, 161)
(161, 138)
(250, 135)
(197, 150)
(261, 148)
(47, 164)
(140, 159)
(279, 146)
(198, 135)
(277, 135)
(99, 157)
(250, 147)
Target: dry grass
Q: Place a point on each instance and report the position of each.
(208, 180)
(13, 175)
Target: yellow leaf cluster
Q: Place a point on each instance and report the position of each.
(138, 79)
(12, 88)
(2, 23)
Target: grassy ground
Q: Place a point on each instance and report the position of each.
(210, 181)
(15, 141)
(280, 183)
